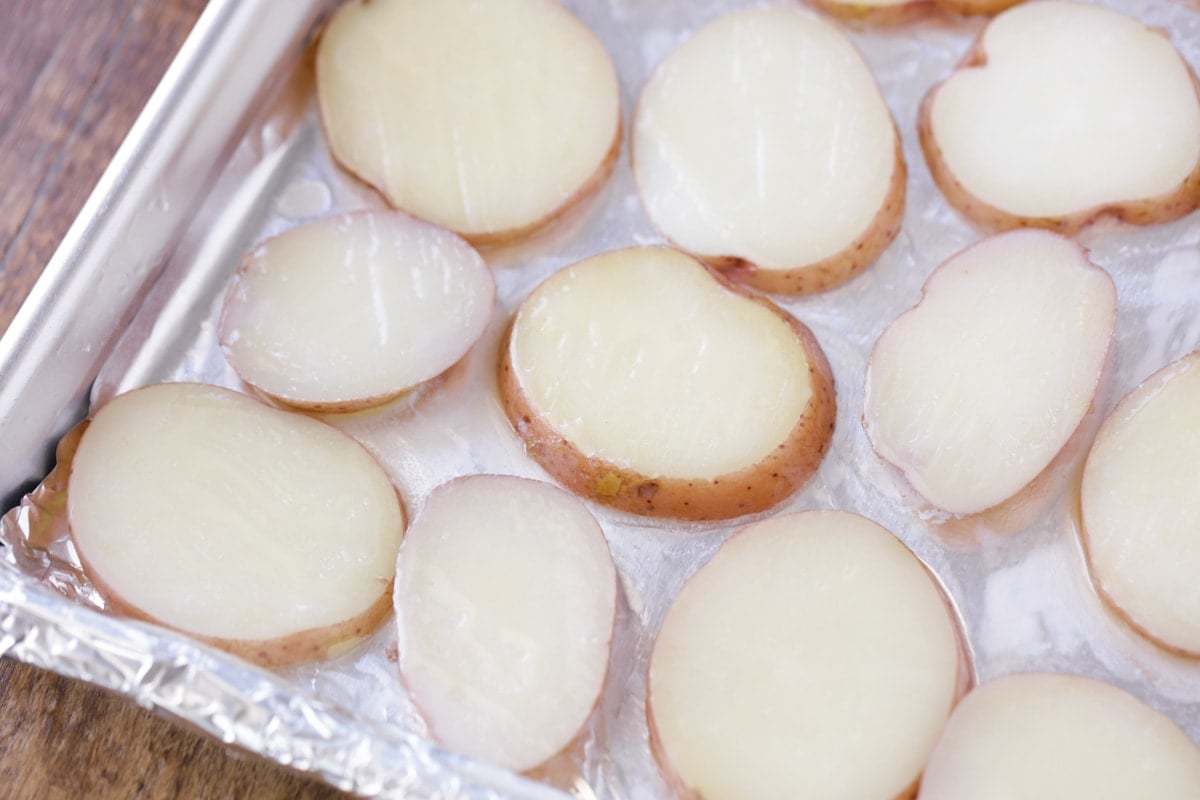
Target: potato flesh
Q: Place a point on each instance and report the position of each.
(505, 600)
(1076, 107)
(640, 357)
(354, 308)
(811, 645)
(481, 117)
(1035, 736)
(1140, 504)
(764, 137)
(975, 390)
(217, 515)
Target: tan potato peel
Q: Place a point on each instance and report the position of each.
(898, 12)
(640, 380)
(264, 532)
(1040, 126)
(490, 119)
(763, 147)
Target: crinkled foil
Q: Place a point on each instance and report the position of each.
(1016, 574)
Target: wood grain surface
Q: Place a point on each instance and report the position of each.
(73, 76)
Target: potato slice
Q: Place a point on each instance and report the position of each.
(814, 656)
(638, 379)
(1035, 736)
(1064, 111)
(264, 532)
(505, 601)
(353, 310)
(1140, 504)
(763, 146)
(976, 389)
(895, 12)
(487, 118)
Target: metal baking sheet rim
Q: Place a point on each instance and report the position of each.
(151, 203)
(109, 257)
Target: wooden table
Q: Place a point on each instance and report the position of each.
(73, 76)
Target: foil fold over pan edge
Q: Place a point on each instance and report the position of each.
(231, 700)
(267, 714)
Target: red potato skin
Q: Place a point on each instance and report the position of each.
(1030, 504)
(748, 491)
(485, 238)
(1145, 211)
(1132, 398)
(1073, 441)
(966, 681)
(806, 279)
(311, 644)
(347, 406)
(572, 750)
(546, 770)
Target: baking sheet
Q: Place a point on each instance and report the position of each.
(1016, 574)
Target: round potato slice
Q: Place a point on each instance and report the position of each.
(814, 656)
(488, 118)
(353, 310)
(1140, 503)
(264, 532)
(1035, 736)
(639, 380)
(763, 146)
(975, 390)
(1064, 111)
(505, 601)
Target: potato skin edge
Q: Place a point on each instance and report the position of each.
(300, 647)
(1137, 394)
(966, 680)
(1098, 388)
(572, 750)
(493, 238)
(829, 272)
(1161, 208)
(340, 405)
(753, 489)
(838, 268)
(310, 644)
(910, 11)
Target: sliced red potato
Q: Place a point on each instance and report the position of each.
(1064, 111)
(976, 389)
(814, 656)
(487, 118)
(264, 532)
(1035, 736)
(1140, 503)
(894, 12)
(353, 310)
(639, 380)
(505, 600)
(764, 147)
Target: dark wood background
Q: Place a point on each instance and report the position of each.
(73, 76)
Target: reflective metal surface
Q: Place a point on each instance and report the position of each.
(216, 164)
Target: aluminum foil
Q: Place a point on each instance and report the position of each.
(1016, 574)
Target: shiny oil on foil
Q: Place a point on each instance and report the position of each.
(1016, 574)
